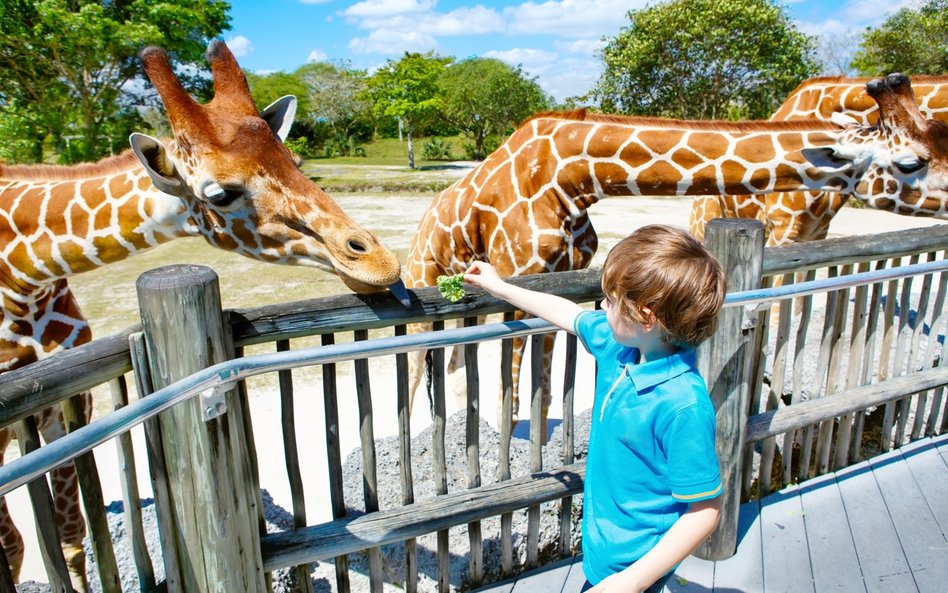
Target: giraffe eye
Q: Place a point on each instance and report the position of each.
(221, 197)
(909, 165)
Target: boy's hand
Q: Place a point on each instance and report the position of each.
(484, 275)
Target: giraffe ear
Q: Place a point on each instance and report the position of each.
(279, 115)
(159, 167)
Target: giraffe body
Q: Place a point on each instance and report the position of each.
(524, 208)
(791, 217)
(225, 176)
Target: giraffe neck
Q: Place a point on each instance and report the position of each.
(602, 157)
(62, 224)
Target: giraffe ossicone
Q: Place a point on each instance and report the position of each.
(791, 217)
(524, 208)
(225, 176)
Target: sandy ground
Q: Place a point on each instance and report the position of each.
(108, 299)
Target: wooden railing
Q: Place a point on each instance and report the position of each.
(871, 331)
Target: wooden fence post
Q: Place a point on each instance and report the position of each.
(725, 361)
(212, 523)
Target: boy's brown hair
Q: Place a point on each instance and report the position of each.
(667, 270)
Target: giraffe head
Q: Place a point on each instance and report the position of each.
(227, 162)
(901, 164)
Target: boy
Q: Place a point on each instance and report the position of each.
(652, 481)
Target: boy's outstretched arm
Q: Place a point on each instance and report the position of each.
(557, 310)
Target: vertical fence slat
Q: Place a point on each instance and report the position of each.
(758, 364)
(537, 436)
(506, 429)
(857, 348)
(292, 460)
(917, 357)
(796, 396)
(370, 484)
(938, 325)
(158, 471)
(404, 456)
(130, 494)
(775, 393)
(902, 352)
(334, 457)
(473, 433)
(47, 532)
(569, 389)
(439, 465)
(92, 500)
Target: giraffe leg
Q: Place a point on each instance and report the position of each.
(65, 488)
(416, 364)
(10, 537)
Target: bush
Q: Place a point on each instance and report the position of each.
(437, 149)
(342, 145)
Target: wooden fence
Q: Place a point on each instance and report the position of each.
(848, 374)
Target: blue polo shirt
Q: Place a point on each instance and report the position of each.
(651, 449)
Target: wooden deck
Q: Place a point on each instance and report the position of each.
(876, 527)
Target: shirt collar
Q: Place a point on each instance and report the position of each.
(647, 375)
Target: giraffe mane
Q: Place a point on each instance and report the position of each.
(691, 124)
(816, 80)
(101, 168)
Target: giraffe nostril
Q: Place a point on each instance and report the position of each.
(357, 246)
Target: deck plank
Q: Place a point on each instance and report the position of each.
(576, 577)
(786, 559)
(883, 563)
(931, 470)
(549, 578)
(832, 552)
(744, 571)
(921, 538)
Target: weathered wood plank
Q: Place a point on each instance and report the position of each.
(777, 421)
(816, 254)
(694, 575)
(883, 563)
(576, 577)
(348, 535)
(786, 560)
(832, 554)
(922, 540)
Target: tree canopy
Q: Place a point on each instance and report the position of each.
(704, 59)
(484, 97)
(408, 89)
(910, 41)
(63, 64)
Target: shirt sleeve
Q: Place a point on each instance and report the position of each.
(592, 329)
(692, 461)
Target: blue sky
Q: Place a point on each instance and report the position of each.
(554, 40)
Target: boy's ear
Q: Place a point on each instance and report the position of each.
(650, 319)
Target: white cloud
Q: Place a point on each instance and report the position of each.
(373, 9)
(571, 18)
(388, 42)
(317, 56)
(871, 12)
(586, 47)
(240, 46)
(560, 77)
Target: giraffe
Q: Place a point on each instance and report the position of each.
(524, 209)
(790, 217)
(225, 176)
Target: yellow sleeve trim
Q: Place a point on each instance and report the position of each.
(708, 494)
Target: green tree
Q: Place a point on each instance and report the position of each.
(704, 59)
(63, 63)
(484, 98)
(338, 97)
(408, 89)
(909, 41)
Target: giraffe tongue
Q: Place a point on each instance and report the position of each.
(401, 293)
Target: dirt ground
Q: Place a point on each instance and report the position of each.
(107, 297)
